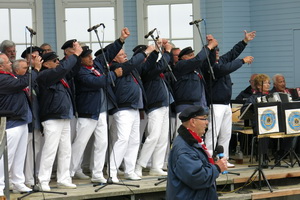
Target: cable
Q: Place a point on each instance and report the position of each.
(239, 188)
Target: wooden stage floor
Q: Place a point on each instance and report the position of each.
(283, 182)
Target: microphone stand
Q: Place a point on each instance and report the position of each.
(161, 180)
(109, 179)
(211, 79)
(159, 50)
(106, 63)
(35, 187)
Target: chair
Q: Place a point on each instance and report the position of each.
(238, 127)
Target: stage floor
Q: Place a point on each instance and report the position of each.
(283, 182)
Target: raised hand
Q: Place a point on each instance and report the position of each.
(77, 48)
(248, 59)
(125, 33)
(249, 36)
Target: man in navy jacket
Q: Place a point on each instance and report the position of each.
(131, 97)
(94, 98)
(158, 101)
(13, 98)
(189, 89)
(56, 111)
(221, 91)
(192, 172)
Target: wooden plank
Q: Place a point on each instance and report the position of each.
(273, 176)
(281, 193)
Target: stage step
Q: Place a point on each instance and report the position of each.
(283, 181)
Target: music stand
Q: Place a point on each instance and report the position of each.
(266, 120)
(291, 125)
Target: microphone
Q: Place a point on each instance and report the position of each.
(220, 152)
(31, 30)
(150, 33)
(95, 27)
(196, 21)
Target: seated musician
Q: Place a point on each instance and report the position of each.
(262, 86)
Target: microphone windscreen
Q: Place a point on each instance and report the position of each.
(220, 149)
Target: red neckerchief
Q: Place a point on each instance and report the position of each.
(26, 90)
(3, 72)
(134, 79)
(162, 75)
(284, 91)
(65, 83)
(199, 75)
(253, 91)
(200, 141)
(93, 70)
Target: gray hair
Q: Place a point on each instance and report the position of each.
(5, 44)
(16, 64)
(82, 43)
(275, 77)
(44, 44)
(1, 59)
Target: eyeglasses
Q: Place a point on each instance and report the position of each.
(201, 118)
(56, 59)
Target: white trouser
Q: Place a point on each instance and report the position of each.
(57, 140)
(85, 128)
(16, 150)
(222, 128)
(73, 126)
(88, 155)
(156, 141)
(177, 125)
(143, 124)
(29, 163)
(127, 145)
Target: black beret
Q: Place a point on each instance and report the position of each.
(68, 44)
(49, 56)
(139, 48)
(185, 51)
(97, 53)
(85, 51)
(191, 112)
(34, 48)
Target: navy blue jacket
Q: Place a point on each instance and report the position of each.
(155, 88)
(127, 89)
(245, 94)
(88, 85)
(190, 175)
(35, 108)
(55, 100)
(13, 97)
(222, 85)
(190, 84)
